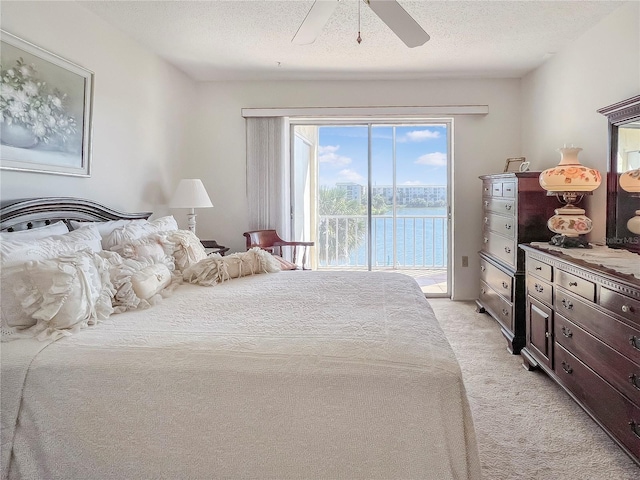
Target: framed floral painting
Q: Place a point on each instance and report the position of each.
(45, 110)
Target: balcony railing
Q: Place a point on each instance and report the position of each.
(420, 241)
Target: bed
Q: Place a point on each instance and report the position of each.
(289, 375)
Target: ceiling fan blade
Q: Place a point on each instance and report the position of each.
(400, 22)
(315, 20)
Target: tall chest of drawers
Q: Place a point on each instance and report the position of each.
(583, 330)
(515, 210)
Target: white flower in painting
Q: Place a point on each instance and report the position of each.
(25, 70)
(30, 89)
(46, 109)
(7, 92)
(39, 129)
(11, 73)
(51, 121)
(55, 101)
(21, 97)
(16, 109)
(63, 122)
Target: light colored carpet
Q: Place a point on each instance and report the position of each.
(527, 426)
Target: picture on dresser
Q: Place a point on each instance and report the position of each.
(45, 110)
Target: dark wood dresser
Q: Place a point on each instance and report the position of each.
(583, 330)
(515, 210)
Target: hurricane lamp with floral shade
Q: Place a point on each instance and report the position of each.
(570, 181)
(630, 182)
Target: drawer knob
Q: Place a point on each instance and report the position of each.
(538, 268)
(567, 368)
(627, 308)
(566, 304)
(482, 268)
(486, 220)
(633, 379)
(573, 284)
(547, 334)
(507, 226)
(508, 206)
(505, 285)
(486, 203)
(505, 312)
(634, 428)
(483, 291)
(567, 332)
(634, 342)
(538, 288)
(486, 240)
(507, 249)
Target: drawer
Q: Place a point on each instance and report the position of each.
(577, 285)
(509, 189)
(539, 269)
(616, 413)
(498, 280)
(539, 289)
(499, 205)
(500, 224)
(616, 334)
(496, 189)
(618, 370)
(498, 307)
(619, 304)
(486, 188)
(500, 247)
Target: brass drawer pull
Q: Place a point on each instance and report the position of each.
(508, 206)
(567, 368)
(634, 342)
(633, 379)
(505, 285)
(538, 288)
(567, 332)
(507, 249)
(507, 226)
(505, 312)
(547, 334)
(627, 308)
(634, 428)
(567, 304)
(573, 284)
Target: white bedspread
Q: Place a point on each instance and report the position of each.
(291, 375)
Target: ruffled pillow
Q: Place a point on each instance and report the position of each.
(105, 228)
(133, 231)
(152, 249)
(185, 248)
(64, 294)
(57, 228)
(216, 268)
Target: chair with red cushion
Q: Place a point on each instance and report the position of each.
(270, 241)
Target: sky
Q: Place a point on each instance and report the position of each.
(421, 155)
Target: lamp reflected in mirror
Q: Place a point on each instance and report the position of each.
(630, 182)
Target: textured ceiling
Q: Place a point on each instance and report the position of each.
(251, 39)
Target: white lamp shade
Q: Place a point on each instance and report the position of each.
(570, 175)
(190, 194)
(630, 181)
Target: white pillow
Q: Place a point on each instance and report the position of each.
(152, 249)
(105, 228)
(185, 247)
(64, 294)
(149, 281)
(58, 228)
(131, 232)
(13, 252)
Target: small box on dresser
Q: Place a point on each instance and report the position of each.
(515, 210)
(583, 330)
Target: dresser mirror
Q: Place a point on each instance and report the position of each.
(623, 207)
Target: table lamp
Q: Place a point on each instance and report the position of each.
(191, 194)
(630, 182)
(570, 181)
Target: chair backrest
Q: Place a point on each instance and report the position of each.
(262, 238)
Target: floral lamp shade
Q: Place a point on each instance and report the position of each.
(570, 180)
(630, 182)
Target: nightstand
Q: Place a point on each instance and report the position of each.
(211, 246)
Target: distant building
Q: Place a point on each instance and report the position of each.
(433, 195)
(354, 191)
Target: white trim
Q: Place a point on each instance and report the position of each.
(341, 112)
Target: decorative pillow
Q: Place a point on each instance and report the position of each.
(151, 290)
(64, 294)
(185, 248)
(13, 252)
(131, 232)
(153, 249)
(58, 228)
(105, 228)
(216, 268)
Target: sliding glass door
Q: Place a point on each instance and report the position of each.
(381, 197)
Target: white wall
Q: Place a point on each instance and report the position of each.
(142, 110)
(561, 97)
(482, 145)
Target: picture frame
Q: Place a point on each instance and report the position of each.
(513, 164)
(46, 107)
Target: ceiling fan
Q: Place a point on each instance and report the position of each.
(389, 11)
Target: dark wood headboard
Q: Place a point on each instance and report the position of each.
(29, 213)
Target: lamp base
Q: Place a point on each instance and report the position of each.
(565, 241)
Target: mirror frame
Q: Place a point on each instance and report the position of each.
(618, 114)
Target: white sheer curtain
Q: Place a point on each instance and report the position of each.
(268, 179)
